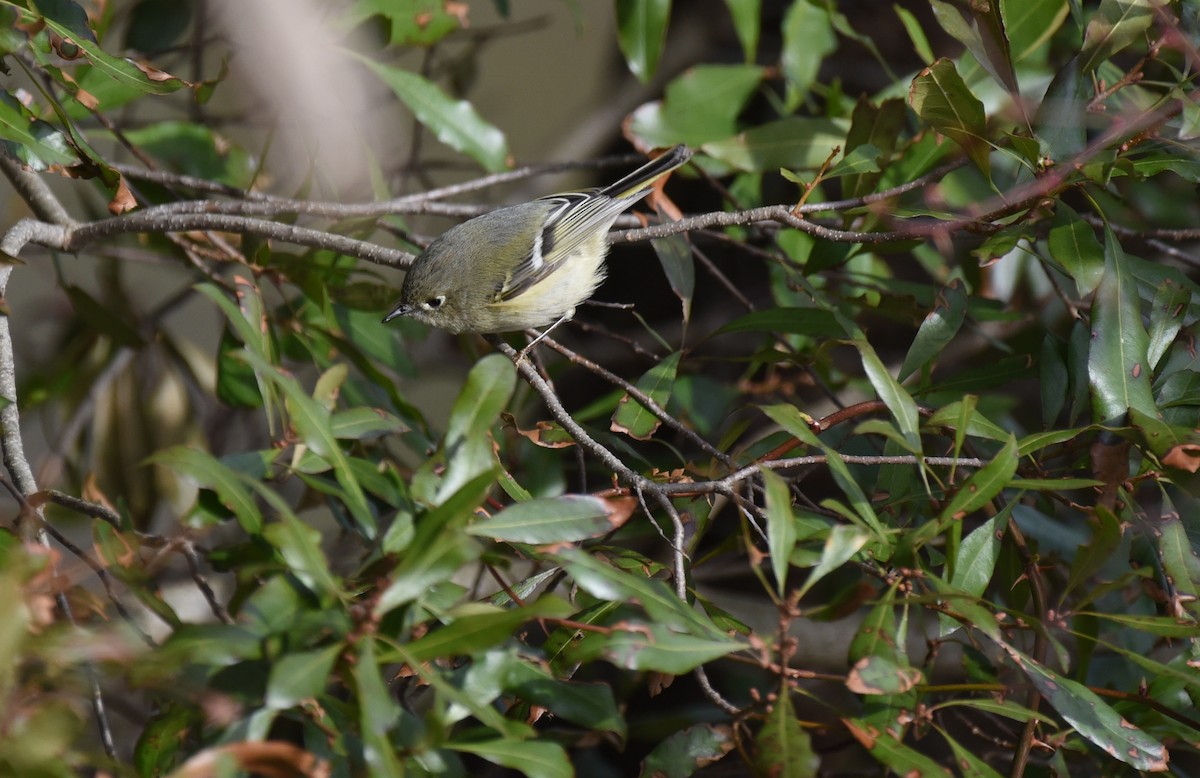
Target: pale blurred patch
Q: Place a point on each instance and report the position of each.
(289, 57)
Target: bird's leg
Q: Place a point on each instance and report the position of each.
(525, 351)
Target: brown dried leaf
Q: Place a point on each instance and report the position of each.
(1185, 456)
(123, 200)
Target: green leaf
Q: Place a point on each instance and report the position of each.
(365, 423)
(980, 29)
(1116, 25)
(300, 547)
(878, 127)
(634, 420)
(975, 561)
(313, 423)
(781, 527)
(808, 38)
(70, 26)
(937, 330)
(661, 604)
(684, 752)
(1167, 313)
(209, 473)
(675, 254)
(486, 392)
(700, 106)
(788, 417)
(1030, 23)
(965, 757)
(1092, 717)
(1118, 367)
(566, 519)
(453, 122)
(983, 485)
(745, 15)
(377, 713)
(784, 749)
(840, 546)
(641, 32)
(301, 676)
(916, 33)
(536, 759)
(191, 148)
(439, 547)
(942, 100)
(1060, 123)
(412, 22)
(475, 627)
(879, 675)
(652, 647)
(892, 753)
(1180, 562)
(794, 143)
(43, 145)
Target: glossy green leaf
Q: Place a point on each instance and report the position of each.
(313, 423)
(874, 126)
(378, 713)
(652, 647)
(701, 105)
(916, 33)
(684, 752)
(784, 748)
(1180, 562)
(300, 547)
(439, 546)
(984, 484)
(566, 519)
(892, 753)
(794, 143)
(980, 29)
(1116, 25)
(745, 15)
(300, 676)
(468, 445)
(209, 473)
(42, 144)
(661, 604)
(641, 33)
(1167, 314)
(975, 561)
(365, 423)
(475, 627)
(454, 122)
(840, 546)
(943, 101)
(1093, 718)
(675, 255)
(781, 527)
(1060, 123)
(938, 328)
(808, 38)
(657, 383)
(1118, 368)
(535, 759)
(1030, 23)
(68, 26)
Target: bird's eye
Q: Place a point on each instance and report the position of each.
(435, 302)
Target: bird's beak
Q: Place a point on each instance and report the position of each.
(400, 310)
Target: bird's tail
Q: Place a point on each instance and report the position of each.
(639, 182)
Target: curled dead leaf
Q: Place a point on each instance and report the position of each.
(123, 200)
(1185, 456)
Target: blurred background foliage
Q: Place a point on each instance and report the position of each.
(883, 463)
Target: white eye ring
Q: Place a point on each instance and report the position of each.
(434, 302)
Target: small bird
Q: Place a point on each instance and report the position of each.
(527, 265)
